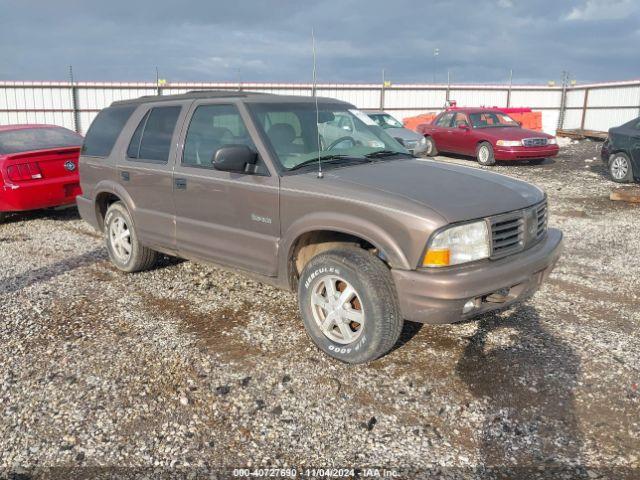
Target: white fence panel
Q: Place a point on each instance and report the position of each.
(614, 97)
(575, 98)
(602, 119)
(608, 104)
(536, 98)
(479, 98)
(369, 98)
(405, 99)
(572, 119)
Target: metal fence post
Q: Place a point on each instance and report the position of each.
(510, 86)
(384, 83)
(74, 102)
(563, 100)
(584, 108)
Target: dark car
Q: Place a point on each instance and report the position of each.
(379, 237)
(486, 134)
(621, 152)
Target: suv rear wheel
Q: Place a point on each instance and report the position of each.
(125, 251)
(349, 305)
(620, 168)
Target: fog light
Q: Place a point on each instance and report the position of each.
(470, 305)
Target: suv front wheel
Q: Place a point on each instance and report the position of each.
(125, 251)
(349, 305)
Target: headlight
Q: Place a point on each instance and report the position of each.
(509, 143)
(552, 141)
(458, 244)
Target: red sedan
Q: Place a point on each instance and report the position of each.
(486, 134)
(38, 167)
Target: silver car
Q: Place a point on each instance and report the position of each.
(412, 141)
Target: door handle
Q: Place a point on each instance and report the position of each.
(180, 183)
(124, 175)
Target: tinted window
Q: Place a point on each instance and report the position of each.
(104, 130)
(27, 139)
(152, 138)
(134, 145)
(212, 127)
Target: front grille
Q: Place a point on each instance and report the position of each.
(534, 142)
(515, 231)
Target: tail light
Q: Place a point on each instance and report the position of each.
(23, 172)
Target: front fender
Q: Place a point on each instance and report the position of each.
(347, 224)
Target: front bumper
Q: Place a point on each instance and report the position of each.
(523, 153)
(439, 296)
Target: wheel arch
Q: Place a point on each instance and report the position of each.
(307, 240)
(108, 194)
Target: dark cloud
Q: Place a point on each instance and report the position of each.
(204, 40)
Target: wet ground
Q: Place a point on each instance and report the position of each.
(191, 369)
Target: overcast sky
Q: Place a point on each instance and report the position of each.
(263, 41)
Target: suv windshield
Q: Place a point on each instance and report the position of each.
(492, 119)
(385, 120)
(295, 132)
(41, 138)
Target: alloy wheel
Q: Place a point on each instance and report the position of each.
(120, 238)
(483, 154)
(619, 168)
(337, 309)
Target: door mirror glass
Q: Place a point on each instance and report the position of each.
(234, 158)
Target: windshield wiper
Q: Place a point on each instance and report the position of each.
(326, 159)
(382, 154)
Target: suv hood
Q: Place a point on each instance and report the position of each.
(455, 192)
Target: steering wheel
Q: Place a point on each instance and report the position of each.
(340, 140)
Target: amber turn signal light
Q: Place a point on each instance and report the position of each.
(436, 258)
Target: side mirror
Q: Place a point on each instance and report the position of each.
(519, 123)
(463, 126)
(234, 158)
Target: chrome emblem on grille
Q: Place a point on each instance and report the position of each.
(70, 166)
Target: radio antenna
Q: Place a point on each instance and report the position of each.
(315, 97)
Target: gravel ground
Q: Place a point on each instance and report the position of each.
(189, 369)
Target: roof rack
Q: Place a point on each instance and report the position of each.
(190, 95)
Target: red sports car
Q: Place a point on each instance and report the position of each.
(486, 134)
(38, 167)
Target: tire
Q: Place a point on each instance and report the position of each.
(536, 161)
(3, 215)
(373, 300)
(127, 254)
(430, 150)
(620, 168)
(484, 154)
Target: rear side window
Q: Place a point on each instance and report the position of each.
(104, 130)
(152, 139)
(29, 139)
